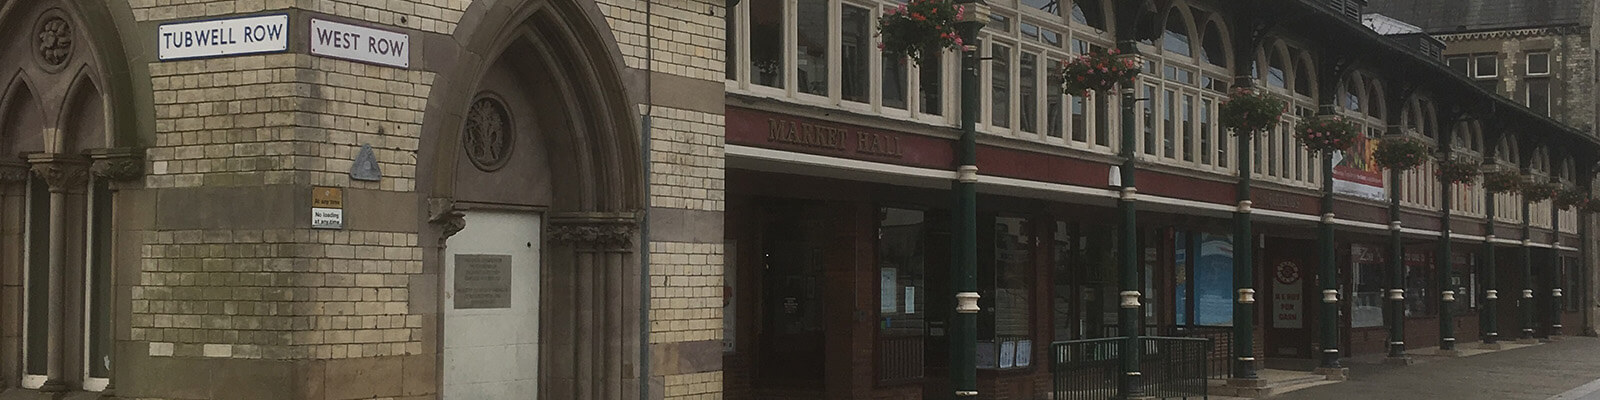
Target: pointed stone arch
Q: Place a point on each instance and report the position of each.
(584, 120)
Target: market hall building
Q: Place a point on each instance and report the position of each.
(841, 162)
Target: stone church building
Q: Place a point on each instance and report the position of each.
(356, 199)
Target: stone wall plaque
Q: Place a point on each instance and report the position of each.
(483, 281)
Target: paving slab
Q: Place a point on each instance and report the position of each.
(1520, 372)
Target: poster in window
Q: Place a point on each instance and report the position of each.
(1024, 353)
(888, 288)
(1286, 296)
(1008, 354)
(1355, 173)
(911, 300)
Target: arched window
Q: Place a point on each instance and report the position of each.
(1374, 99)
(1277, 68)
(1212, 49)
(1350, 95)
(1508, 153)
(1428, 118)
(1088, 12)
(1304, 81)
(1176, 37)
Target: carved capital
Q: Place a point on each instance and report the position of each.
(118, 165)
(607, 232)
(443, 215)
(64, 173)
(13, 172)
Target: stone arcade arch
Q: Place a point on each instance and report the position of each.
(570, 157)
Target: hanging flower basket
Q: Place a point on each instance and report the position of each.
(1502, 182)
(1590, 205)
(1537, 192)
(921, 28)
(1400, 153)
(1099, 70)
(1456, 170)
(1250, 111)
(1327, 133)
(1566, 198)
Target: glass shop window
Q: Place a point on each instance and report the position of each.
(1005, 322)
(1213, 281)
(1420, 273)
(1366, 266)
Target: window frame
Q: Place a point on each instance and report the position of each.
(1528, 59)
(1478, 72)
(1527, 95)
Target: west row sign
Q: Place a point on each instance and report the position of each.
(271, 34)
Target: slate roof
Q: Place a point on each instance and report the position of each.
(1449, 16)
(1385, 25)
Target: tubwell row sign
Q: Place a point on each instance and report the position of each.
(270, 34)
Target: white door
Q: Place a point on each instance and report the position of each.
(491, 301)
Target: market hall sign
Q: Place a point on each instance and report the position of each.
(831, 138)
(223, 37)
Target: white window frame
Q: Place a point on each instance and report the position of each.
(1529, 59)
(836, 60)
(1478, 73)
(791, 49)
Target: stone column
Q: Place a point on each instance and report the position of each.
(589, 340)
(66, 174)
(121, 168)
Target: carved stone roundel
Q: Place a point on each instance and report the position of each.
(55, 41)
(488, 134)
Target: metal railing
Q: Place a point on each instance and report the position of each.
(1219, 361)
(1170, 367)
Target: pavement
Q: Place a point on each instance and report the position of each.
(1568, 369)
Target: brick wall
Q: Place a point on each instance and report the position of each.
(276, 294)
(297, 120)
(438, 16)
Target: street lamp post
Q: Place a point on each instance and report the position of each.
(1128, 314)
(1327, 275)
(1397, 275)
(964, 332)
(1244, 367)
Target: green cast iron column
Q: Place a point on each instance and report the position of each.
(1328, 275)
(1525, 306)
(1556, 272)
(1490, 328)
(1447, 320)
(964, 333)
(1243, 268)
(1397, 272)
(1128, 275)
